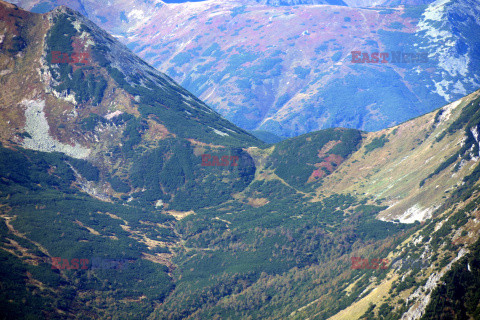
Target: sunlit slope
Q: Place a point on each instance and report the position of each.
(398, 165)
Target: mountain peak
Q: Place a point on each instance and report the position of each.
(65, 9)
(88, 71)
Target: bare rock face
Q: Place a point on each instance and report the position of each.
(421, 296)
(40, 139)
(253, 230)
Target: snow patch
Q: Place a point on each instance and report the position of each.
(77, 25)
(136, 14)
(447, 110)
(229, 130)
(435, 27)
(219, 132)
(474, 131)
(458, 87)
(112, 115)
(439, 225)
(416, 213)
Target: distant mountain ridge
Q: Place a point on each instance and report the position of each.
(304, 80)
(292, 91)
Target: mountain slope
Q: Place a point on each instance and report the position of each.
(107, 143)
(301, 2)
(323, 284)
(111, 110)
(315, 86)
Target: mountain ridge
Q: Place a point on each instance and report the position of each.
(212, 49)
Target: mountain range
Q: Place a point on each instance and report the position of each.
(288, 69)
(122, 195)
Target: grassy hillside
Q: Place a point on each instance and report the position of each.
(310, 157)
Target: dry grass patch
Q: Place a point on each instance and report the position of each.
(357, 309)
(257, 202)
(179, 215)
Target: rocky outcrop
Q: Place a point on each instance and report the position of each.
(423, 293)
(36, 125)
